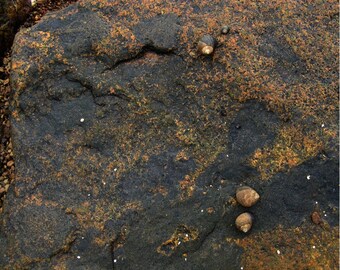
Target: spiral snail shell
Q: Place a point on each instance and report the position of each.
(207, 44)
(244, 222)
(225, 29)
(246, 196)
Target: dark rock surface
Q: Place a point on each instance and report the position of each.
(129, 146)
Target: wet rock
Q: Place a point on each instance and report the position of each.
(50, 231)
(249, 133)
(159, 33)
(124, 158)
(294, 191)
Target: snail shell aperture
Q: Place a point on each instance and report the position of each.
(244, 222)
(246, 196)
(207, 44)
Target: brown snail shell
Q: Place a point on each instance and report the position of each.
(246, 196)
(207, 44)
(244, 222)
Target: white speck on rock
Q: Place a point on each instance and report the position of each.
(316, 202)
(278, 252)
(82, 120)
(313, 246)
(323, 125)
(179, 242)
(185, 259)
(202, 210)
(115, 260)
(78, 257)
(115, 169)
(88, 195)
(308, 177)
(241, 267)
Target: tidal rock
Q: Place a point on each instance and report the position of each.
(123, 159)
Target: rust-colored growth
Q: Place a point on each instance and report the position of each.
(182, 234)
(182, 156)
(246, 196)
(232, 201)
(210, 210)
(187, 186)
(307, 247)
(160, 189)
(120, 239)
(291, 147)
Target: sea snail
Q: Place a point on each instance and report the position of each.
(225, 29)
(246, 196)
(244, 222)
(207, 44)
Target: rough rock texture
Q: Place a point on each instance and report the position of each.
(129, 146)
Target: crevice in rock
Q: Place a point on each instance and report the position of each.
(69, 241)
(148, 48)
(85, 85)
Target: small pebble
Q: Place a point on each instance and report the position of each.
(323, 125)
(185, 259)
(10, 163)
(115, 260)
(278, 252)
(316, 219)
(202, 211)
(82, 120)
(78, 257)
(115, 169)
(308, 177)
(313, 246)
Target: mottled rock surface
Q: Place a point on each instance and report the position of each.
(129, 146)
